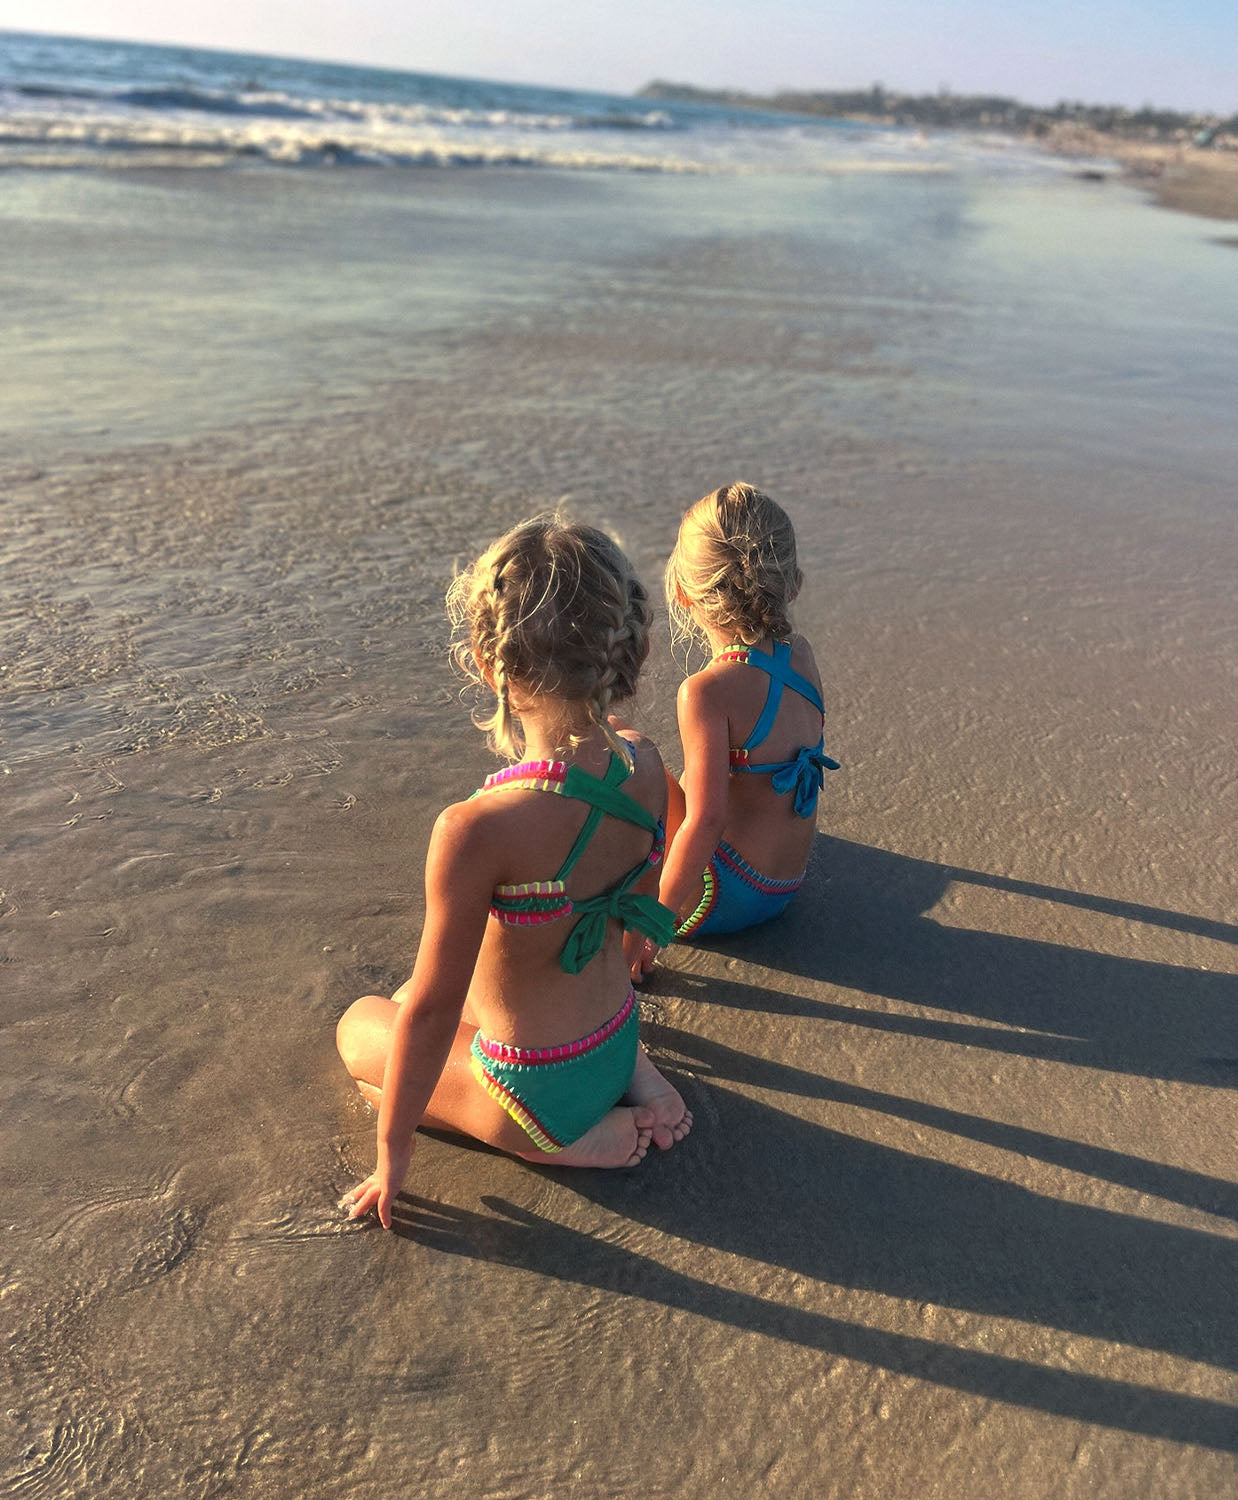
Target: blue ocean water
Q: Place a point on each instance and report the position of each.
(313, 228)
(72, 102)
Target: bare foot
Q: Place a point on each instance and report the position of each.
(619, 1139)
(672, 1120)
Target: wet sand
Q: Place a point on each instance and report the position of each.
(1197, 184)
(958, 1215)
(1191, 179)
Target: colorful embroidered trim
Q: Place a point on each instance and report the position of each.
(521, 1113)
(692, 922)
(530, 775)
(505, 1055)
(536, 901)
(531, 888)
(534, 1056)
(529, 904)
(759, 882)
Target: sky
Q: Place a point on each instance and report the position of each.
(1176, 54)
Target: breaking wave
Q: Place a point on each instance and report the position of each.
(70, 103)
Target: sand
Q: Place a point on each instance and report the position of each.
(1192, 179)
(957, 1217)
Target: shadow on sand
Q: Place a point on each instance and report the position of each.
(860, 924)
(758, 1182)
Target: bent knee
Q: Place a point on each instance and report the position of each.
(363, 1025)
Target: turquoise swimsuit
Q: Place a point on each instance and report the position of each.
(803, 774)
(736, 895)
(558, 1093)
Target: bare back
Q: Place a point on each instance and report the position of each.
(520, 992)
(760, 823)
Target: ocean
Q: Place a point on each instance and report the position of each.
(283, 343)
(68, 102)
(1033, 279)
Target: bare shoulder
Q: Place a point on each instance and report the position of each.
(468, 830)
(643, 748)
(649, 773)
(709, 690)
(464, 854)
(804, 661)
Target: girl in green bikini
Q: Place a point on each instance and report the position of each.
(518, 1026)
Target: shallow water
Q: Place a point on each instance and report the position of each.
(959, 1206)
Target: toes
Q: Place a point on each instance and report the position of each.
(664, 1137)
(641, 1148)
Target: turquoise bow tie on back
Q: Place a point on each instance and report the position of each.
(645, 913)
(806, 773)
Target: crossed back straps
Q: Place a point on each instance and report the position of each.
(546, 900)
(803, 773)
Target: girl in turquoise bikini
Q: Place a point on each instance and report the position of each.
(518, 1026)
(742, 819)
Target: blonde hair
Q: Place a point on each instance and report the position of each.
(552, 608)
(733, 567)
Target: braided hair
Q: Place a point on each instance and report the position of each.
(552, 608)
(734, 567)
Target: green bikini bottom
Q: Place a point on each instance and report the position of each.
(556, 1094)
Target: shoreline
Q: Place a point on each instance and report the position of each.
(1189, 162)
(1175, 175)
(960, 1180)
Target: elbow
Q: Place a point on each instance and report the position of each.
(704, 828)
(429, 1007)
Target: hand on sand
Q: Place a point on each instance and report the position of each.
(382, 1187)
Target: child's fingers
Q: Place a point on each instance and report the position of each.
(361, 1199)
(645, 961)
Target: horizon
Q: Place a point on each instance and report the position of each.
(444, 53)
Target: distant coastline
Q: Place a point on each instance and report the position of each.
(1186, 161)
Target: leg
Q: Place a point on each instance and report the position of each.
(362, 1038)
(459, 1104)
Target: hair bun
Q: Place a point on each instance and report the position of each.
(734, 566)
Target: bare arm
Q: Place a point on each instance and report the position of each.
(705, 732)
(638, 950)
(460, 871)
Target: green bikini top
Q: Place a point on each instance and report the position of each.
(538, 901)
